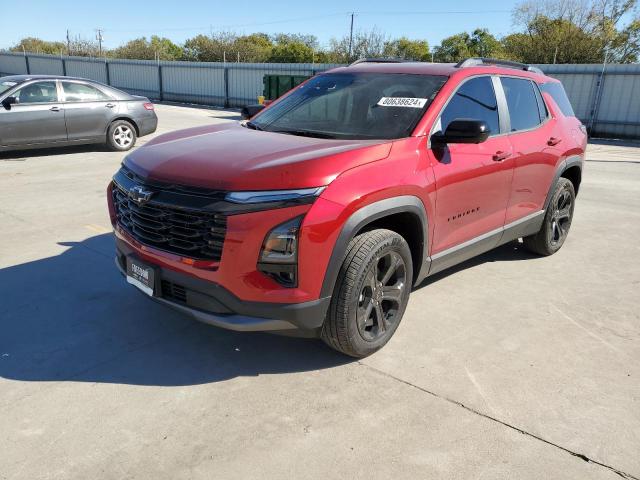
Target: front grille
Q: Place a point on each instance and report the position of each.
(173, 291)
(186, 232)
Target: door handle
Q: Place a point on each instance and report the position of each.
(55, 109)
(500, 156)
(110, 105)
(553, 141)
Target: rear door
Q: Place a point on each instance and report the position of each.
(473, 181)
(37, 117)
(88, 110)
(536, 142)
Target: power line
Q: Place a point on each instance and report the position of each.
(316, 17)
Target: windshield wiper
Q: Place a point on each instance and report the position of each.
(305, 133)
(252, 126)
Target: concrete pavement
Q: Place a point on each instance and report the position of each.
(508, 366)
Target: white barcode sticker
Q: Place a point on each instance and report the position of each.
(402, 102)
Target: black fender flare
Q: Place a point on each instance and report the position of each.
(566, 164)
(364, 216)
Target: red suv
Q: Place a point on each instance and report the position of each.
(320, 214)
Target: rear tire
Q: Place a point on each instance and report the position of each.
(557, 221)
(121, 136)
(371, 294)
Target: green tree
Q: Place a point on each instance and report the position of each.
(143, 49)
(576, 31)
(480, 43)
(553, 41)
(417, 50)
(36, 45)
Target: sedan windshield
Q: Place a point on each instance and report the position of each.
(353, 106)
(6, 85)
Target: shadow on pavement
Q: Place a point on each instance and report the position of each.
(21, 155)
(73, 317)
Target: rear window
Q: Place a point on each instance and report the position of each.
(522, 103)
(556, 90)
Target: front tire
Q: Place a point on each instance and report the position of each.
(371, 294)
(557, 221)
(121, 136)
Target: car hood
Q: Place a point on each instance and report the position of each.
(232, 157)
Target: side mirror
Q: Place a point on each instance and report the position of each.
(250, 110)
(463, 130)
(7, 102)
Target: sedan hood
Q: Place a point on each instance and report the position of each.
(232, 157)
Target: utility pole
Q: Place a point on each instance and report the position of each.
(351, 36)
(99, 37)
(68, 43)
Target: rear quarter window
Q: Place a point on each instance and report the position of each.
(556, 90)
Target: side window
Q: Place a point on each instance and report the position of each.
(542, 108)
(39, 92)
(556, 90)
(474, 100)
(79, 92)
(522, 103)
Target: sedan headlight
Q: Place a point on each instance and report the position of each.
(302, 195)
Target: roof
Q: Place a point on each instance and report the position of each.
(425, 68)
(24, 78)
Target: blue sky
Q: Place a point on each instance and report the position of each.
(122, 21)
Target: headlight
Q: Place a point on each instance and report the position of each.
(279, 254)
(302, 195)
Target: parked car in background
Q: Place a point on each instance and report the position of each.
(45, 111)
(321, 213)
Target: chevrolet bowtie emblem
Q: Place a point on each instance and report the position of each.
(139, 194)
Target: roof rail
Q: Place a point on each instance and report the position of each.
(478, 61)
(377, 60)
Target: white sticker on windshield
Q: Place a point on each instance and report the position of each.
(402, 102)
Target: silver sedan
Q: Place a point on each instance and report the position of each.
(44, 111)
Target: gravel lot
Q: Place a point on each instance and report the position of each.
(508, 366)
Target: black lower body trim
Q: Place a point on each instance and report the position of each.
(488, 241)
(213, 304)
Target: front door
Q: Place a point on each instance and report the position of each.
(473, 181)
(37, 117)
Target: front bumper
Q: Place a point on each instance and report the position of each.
(211, 303)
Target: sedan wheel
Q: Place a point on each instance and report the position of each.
(123, 136)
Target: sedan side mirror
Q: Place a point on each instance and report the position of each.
(7, 102)
(463, 130)
(250, 110)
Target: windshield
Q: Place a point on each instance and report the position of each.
(6, 85)
(353, 106)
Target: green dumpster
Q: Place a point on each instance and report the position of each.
(277, 85)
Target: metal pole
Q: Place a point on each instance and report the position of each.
(226, 87)
(26, 60)
(160, 86)
(99, 38)
(64, 65)
(351, 37)
(106, 69)
(598, 97)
